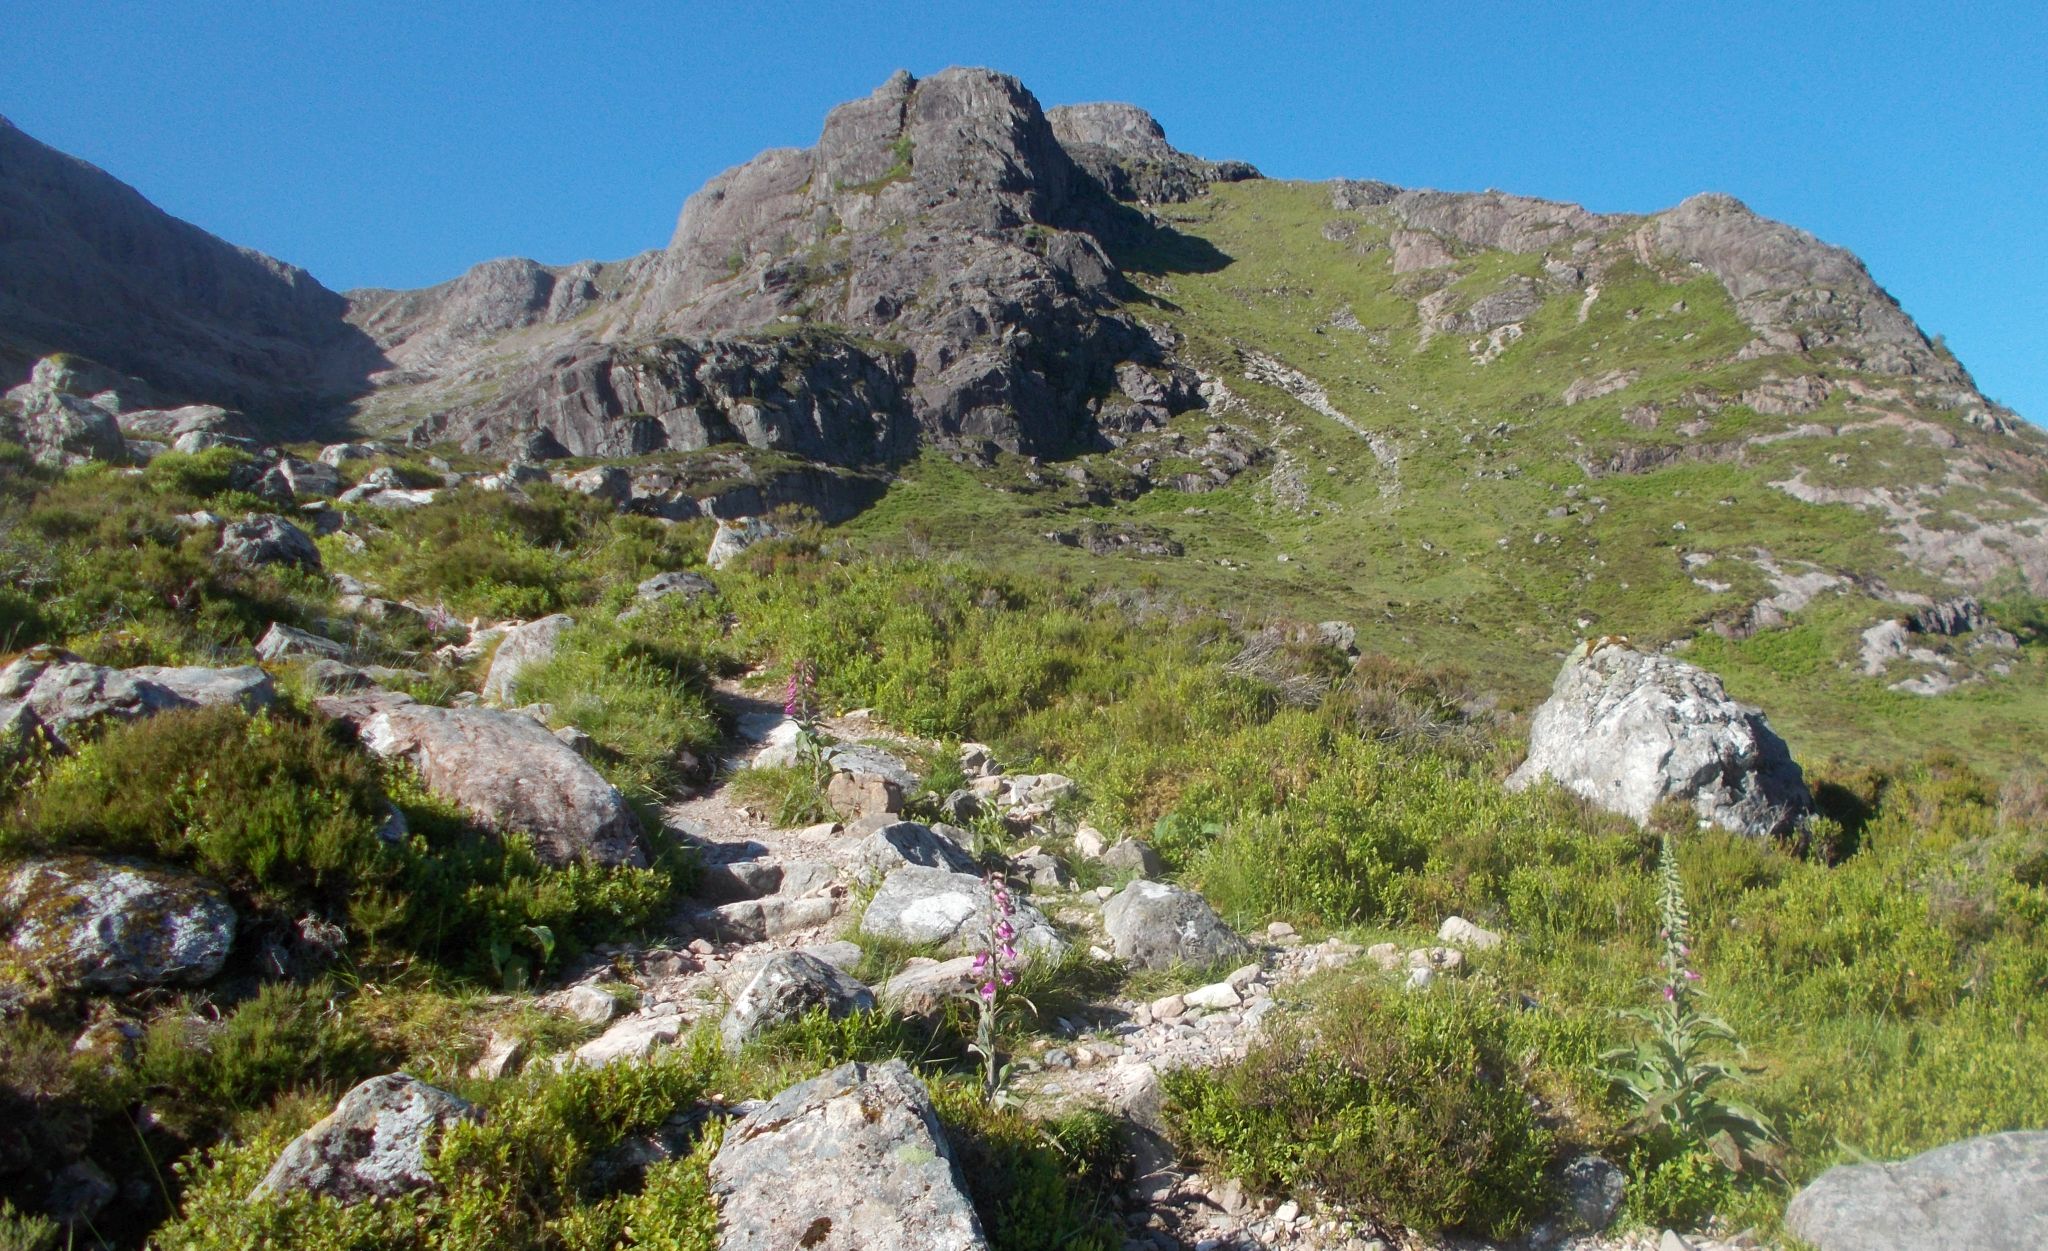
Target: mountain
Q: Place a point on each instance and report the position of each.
(1490, 422)
(90, 267)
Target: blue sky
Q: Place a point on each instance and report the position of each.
(394, 144)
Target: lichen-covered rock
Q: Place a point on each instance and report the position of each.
(1156, 926)
(115, 925)
(267, 539)
(1980, 1194)
(59, 430)
(50, 693)
(854, 1160)
(1628, 730)
(506, 770)
(374, 1145)
(922, 906)
(787, 986)
(530, 644)
(689, 586)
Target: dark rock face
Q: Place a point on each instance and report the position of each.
(88, 266)
(939, 226)
(811, 395)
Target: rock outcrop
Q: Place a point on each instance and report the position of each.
(504, 769)
(940, 225)
(854, 1160)
(115, 925)
(1981, 1194)
(49, 693)
(374, 1145)
(1123, 148)
(1628, 730)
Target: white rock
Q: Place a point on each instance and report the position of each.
(1459, 932)
(1216, 996)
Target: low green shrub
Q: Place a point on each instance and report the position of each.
(1404, 1105)
(285, 812)
(285, 1037)
(1035, 1184)
(531, 1174)
(640, 691)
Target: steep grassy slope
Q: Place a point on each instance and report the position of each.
(1460, 512)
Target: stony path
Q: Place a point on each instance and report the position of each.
(772, 889)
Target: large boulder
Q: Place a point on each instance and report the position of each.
(854, 1160)
(506, 770)
(267, 539)
(115, 925)
(53, 694)
(934, 907)
(1628, 730)
(1156, 926)
(530, 644)
(787, 986)
(374, 1145)
(59, 430)
(1981, 1194)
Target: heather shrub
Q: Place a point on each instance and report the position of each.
(1407, 1106)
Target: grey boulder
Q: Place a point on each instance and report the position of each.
(60, 430)
(898, 843)
(115, 925)
(506, 770)
(1980, 1194)
(1156, 926)
(283, 642)
(689, 586)
(1134, 856)
(736, 536)
(266, 539)
(530, 644)
(787, 986)
(854, 1160)
(374, 1145)
(1627, 730)
(51, 693)
(922, 907)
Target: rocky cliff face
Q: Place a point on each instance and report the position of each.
(88, 266)
(939, 237)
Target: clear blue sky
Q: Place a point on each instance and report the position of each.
(394, 144)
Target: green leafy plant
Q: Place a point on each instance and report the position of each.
(1674, 1078)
